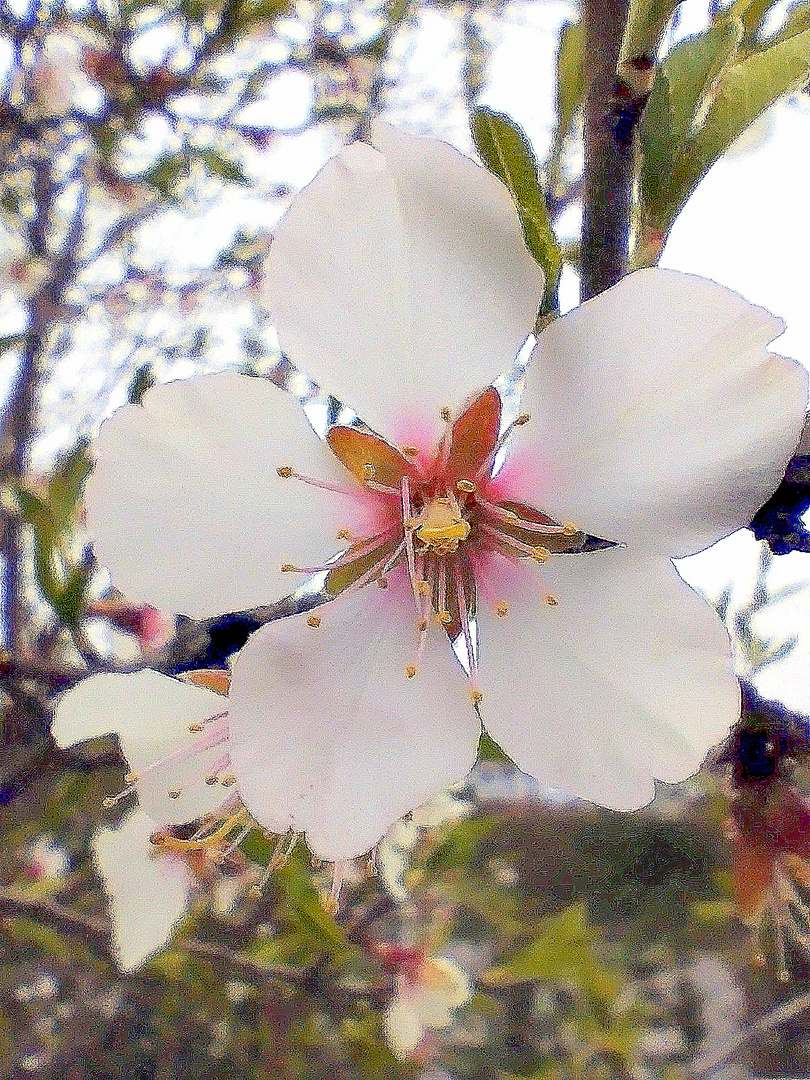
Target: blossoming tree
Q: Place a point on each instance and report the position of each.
(435, 525)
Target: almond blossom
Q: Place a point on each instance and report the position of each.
(453, 557)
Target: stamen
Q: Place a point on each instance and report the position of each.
(467, 486)
(287, 471)
(356, 551)
(489, 461)
(383, 489)
(167, 842)
(410, 671)
(314, 621)
(244, 832)
(332, 902)
(407, 513)
(410, 451)
(552, 601)
(446, 414)
(390, 564)
(113, 800)
(443, 615)
(502, 514)
(502, 609)
(283, 850)
(539, 554)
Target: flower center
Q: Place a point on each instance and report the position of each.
(440, 526)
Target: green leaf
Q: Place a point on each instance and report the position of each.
(681, 86)
(166, 172)
(66, 484)
(570, 85)
(223, 167)
(143, 380)
(646, 23)
(507, 153)
(563, 945)
(743, 93)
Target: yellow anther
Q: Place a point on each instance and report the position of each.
(540, 554)
(211, 779)
(195, 727)
(476, 697)
(422, 587)
(174, 793)
(552, 601)
(410, 671)
(314, 621)
(502, 609)
(344, 534)
(570, 529)
(287, 568)
(444, 617)
(524, 418)
(228, 781)
(441, 526)
(410, 451)
(410, 524)
(109, 802)
(466, 485)
(422, 626)
(285, 471)
(446, 414)
(369, 472)
(131, 778)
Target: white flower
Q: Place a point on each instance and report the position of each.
(147, 892)
(427, 996)
(660, 422)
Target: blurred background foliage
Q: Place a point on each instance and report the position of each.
(146, 152)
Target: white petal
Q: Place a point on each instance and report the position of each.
(150, 714)
(147, 893)
(327, 733)
(400, 281)
(403, 1028)
(627, 678)
(186, 507)
(662, 418)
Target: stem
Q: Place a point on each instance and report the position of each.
(608, 172)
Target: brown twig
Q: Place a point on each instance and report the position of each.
(607, 181)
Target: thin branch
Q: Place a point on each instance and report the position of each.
(97, 932)
(608, 172)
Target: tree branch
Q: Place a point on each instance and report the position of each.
(608, 171)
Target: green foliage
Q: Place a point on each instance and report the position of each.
(141, 381)
(223, 167)
(569, 94)
(507, 153)
(706, 94)
(54, 516)
(681, 85)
